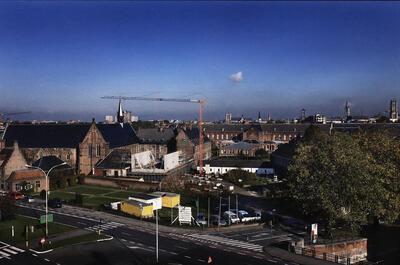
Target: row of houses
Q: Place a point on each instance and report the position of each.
(245, 139)
(83, 146)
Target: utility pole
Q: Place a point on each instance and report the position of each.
(157, 236)
(208, 213)
(237, 207)
(219, 215)
(229, 208)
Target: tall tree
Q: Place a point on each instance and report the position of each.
(332, 178)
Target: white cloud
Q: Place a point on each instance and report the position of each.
(237, 77)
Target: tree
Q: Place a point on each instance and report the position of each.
(384, 149)
(7, 208)
(261, 153)
(334, 181)
(234, 175)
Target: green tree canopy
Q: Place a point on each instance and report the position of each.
(341, 178)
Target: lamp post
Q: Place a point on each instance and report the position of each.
(47, 187)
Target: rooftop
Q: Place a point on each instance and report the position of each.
(239, 163)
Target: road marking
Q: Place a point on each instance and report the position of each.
(126, 234)
(81, 223)
(4, 254)
(33, 254)
(201, 260)
(17, 249)
(188, 257)
(136, 247)
(181, 247)
(273, 261)
(269, 238)
(9, 251)
(47, 260)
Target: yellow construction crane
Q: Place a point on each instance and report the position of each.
(201, 103)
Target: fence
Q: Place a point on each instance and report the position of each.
(341, 259)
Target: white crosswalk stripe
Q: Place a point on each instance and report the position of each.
(6, 251)
(104, 226)
(211, 239)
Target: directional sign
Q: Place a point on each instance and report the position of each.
(49, 218)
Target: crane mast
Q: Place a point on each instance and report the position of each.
(201, 103)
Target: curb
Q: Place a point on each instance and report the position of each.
(105, 239)
(41, 252)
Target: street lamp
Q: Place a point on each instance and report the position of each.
(47, 187)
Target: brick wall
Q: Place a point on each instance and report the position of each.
(92, 149)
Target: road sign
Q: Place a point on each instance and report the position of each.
(49, 218)
(314, 233)
(184, 215)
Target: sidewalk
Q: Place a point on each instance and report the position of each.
(291, 257)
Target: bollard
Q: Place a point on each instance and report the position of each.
(32, 229)
(12, 231)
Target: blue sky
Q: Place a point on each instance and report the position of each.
(58, 58)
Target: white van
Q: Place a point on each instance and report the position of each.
(231, 217)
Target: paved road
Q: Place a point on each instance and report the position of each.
(136, 245)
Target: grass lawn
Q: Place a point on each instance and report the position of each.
(19, 224)
(121, 194)
(96, 201)
(86, 189)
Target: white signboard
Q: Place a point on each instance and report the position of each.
(184, 215)
(314, 233)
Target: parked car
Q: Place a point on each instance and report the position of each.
(214, 220)
(201, 219)
(55, 203)
(28, 199)
(17, 195)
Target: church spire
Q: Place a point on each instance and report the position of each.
(120, 114)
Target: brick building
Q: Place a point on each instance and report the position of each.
(80, 145)
(187, 141)
(159, 141)
(11, 159)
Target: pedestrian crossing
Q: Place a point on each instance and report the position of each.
(104, 226)
(211, 239)
(6, 251)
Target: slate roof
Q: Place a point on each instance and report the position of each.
(193, 135)
(240, 163)
(46, 135)
(226, 127)
(241, 146)
(26, 174)
(117, 135)
(5, 154)
(66, 135)
(116, 159)
(154, 135)
(47, 162)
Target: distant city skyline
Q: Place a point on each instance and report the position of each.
(59, 58)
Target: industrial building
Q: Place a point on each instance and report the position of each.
(137, 208)
(169, 199)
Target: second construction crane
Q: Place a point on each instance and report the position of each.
(201, 103)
